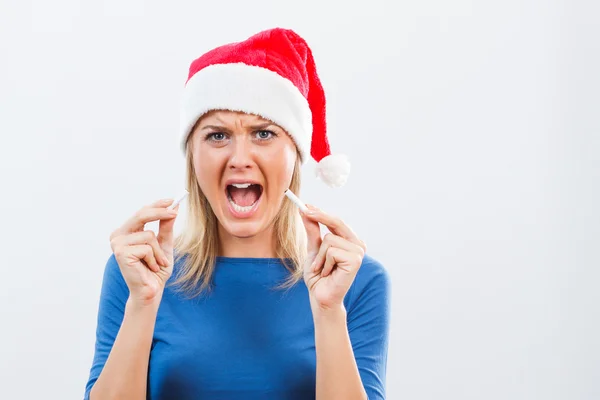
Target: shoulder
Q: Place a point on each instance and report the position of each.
(371, 272)
(113, 281)
(111, 269)
(372, 281)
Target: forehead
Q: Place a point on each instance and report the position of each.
(226, 117)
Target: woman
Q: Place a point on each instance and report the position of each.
(249, 302)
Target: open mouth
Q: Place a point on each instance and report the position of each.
(243, 196)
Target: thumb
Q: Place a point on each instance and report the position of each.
(313, 234)
(165, 235)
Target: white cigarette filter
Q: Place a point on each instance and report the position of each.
(290, 195)
(172, 206)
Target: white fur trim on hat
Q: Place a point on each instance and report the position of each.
(249, 89)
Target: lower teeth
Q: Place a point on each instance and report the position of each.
(241, 209)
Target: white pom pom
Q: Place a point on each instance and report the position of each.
(334, 170)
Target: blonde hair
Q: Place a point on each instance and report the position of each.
(198, 243)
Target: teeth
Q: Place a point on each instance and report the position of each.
(241, 185)
(240, 208)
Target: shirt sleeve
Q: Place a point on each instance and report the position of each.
(111, 308)
(368, 322)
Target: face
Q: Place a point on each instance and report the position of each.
(243, 164)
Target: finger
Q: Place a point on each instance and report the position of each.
(344, 244)
(165, 236)
(313, 233)
(149, 259)
(145, 215)
(125, 228)
(161, 203)
(320, 257)
(145, 237)
(144, 252)
(363, 246)
(334, 224)
(333, 256)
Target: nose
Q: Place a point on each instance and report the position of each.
(241, 155)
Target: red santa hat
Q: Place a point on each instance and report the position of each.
(271, 74)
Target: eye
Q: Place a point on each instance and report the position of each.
(265, 135)
(216, 136)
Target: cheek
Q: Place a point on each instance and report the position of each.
(281, 168)
(207, 168)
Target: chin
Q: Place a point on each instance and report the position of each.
(242, 229)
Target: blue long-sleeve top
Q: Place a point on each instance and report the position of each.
(245, 339)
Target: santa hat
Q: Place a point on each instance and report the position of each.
(271, 74)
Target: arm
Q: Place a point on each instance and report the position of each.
(132, 287)
(337, 372)
(352, 346)
(124, 375)
(351, 350)
(123, 341)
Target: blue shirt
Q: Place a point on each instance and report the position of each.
(246, 339)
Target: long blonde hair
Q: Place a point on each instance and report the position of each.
(198, 244)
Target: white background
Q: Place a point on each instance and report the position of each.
(474, 134)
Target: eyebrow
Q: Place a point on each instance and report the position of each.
(224, 129)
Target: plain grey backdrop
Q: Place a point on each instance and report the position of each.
(474, 134)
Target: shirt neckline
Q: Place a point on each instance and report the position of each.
(247, 260)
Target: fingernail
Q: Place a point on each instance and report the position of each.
(312, 266)
(173, 212)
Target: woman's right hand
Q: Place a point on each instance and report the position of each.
(146, 259)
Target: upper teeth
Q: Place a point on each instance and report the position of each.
(241, 185)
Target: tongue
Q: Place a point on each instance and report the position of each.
(244, 197)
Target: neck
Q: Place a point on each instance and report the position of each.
(261, 245)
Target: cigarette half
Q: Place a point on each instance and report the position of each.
(290, 195)
(172, 206)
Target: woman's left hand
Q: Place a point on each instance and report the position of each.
(332, 261)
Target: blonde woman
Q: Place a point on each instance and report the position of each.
(250, 301)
